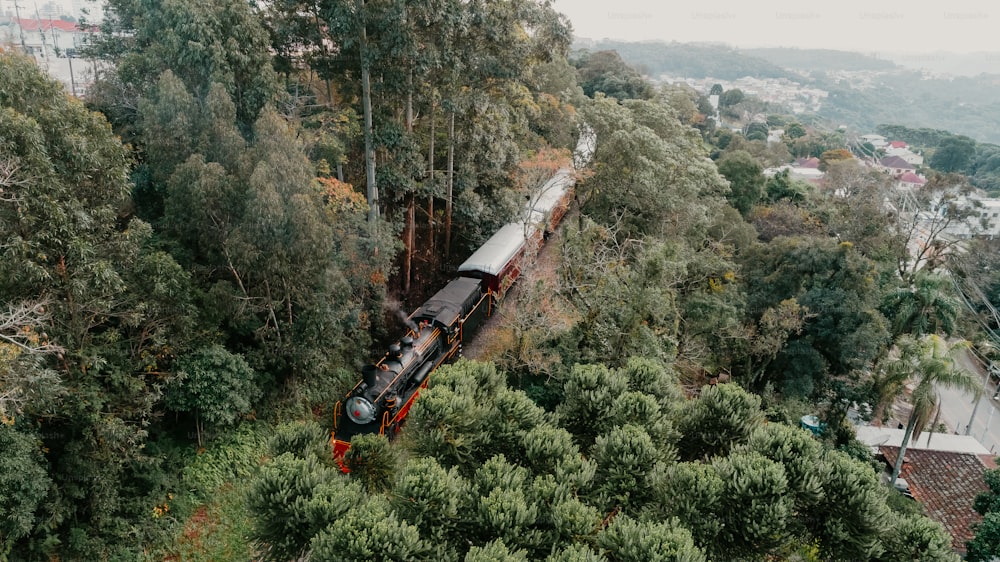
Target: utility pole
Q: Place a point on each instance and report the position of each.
(72, 81)
(20, 27)
(41, 33)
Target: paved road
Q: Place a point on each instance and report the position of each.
(957, 407)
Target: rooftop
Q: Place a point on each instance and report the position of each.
(910, 177)
(895, 162)
(45, 25)
(946, 483)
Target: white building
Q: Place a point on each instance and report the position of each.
(878, 141)
(43, 37)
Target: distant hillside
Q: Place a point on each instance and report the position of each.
(967, 106)
(691, 60)
(955, 64)
(819, 59)
(882, 92)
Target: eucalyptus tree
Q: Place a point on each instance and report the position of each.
(200, 42)
(115, 306)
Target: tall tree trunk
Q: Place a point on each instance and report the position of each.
(451, 183)
(409, 102)
(430, 198)
(410, 214)
(910, 424)
(410, 228)
(366, 93)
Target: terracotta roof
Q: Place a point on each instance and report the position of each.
(807, 163)
(45, 25)
(910, 177)
(897, 144)
(895, 162)
(946, 484)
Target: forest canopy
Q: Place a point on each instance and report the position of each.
(200, 255)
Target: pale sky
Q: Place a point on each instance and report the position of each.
(868, 26)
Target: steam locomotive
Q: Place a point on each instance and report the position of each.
(380, 401)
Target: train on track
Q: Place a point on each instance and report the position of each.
(380, 401)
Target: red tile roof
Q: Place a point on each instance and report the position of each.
(946, 484)
(45, 25)
(910, 177)
(897, 144)
(807, 162)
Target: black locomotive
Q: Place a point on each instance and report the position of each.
(382, 398)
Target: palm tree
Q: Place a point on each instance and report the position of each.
(927, 306)
(930, 362)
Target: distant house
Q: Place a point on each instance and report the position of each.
(807, 163)
(989, 215)
(905, 153)
(943, 472)
(878, 141)
(895, 165)
(897, 144)
(910, 180)
(43, 36)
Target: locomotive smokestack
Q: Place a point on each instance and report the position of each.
(370, 374)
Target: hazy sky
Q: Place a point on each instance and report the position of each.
(870, 26)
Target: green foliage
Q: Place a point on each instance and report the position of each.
(118, 311)
(302, 439)
(628, 302)
(434, 500)
(203, 44)
(924, 136)
(216, 384)
(909, 537)
(838, 288)
(368, 532)
(590, 392)
(691, 492)
(928, 306)
(720, 418)
(730, 98)
(795, 130)
(293, 499)
(757, 131)
(624, 457)
(758, 506)
(650, 169)
(24, 484)
(953, 154)
(746, 182)
(451, 421)
(576, 553)
(372, 461)
(606, 72)
(495, 551)
(986, 544)
(627, 540)
(987, 502)
(800, 456)
(850, 519)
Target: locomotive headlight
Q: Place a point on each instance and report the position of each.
(360, 410)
